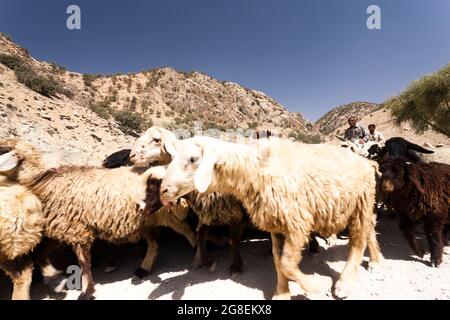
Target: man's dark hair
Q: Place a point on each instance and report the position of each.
(372, 125)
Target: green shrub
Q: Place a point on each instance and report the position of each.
(128, 120)
(306, 138)
(89, 79)
(11, 62)
(27, 76)
(102, 109)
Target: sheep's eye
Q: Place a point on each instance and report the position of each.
(193, 160)
(157, 140)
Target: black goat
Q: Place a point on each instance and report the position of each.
(419, 192)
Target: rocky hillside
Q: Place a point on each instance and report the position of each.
(90, 116)
(165, 97)
(59, 125)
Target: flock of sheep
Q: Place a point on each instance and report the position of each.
(294, 191)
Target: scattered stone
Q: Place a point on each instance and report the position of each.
(429, 145)
(96, 137)
(439, 145)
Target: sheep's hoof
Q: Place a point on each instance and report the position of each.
(374, 265)
(109, 269)
(342, 289)
(435, 263)
(86, 296)
(139, 275)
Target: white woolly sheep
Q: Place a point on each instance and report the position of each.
(81, 204)
(290, 190)
(157, 146)
(21, 225)
(173, 217)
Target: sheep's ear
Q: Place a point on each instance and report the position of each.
(8, 161)
(413, 177)
(204, 174)
(170, 146)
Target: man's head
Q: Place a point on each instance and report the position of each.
(352, 121)
(372, 128)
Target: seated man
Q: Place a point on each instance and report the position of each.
(375, 136)
(356, 133)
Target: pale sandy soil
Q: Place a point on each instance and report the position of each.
(402, 276)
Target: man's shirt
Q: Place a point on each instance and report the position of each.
(356, 133)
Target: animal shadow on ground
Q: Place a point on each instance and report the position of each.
(175, 256)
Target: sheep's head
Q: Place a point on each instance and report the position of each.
(117, 159)
(191, 169)
(400, 147)
(13, 152)
(396, 172)
(157, 145)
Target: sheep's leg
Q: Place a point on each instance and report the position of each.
(236, 231)
(290, 260)
(433, 230)
(83, 253)
(202, 257)
(376, 257)
(444, 235)
(112, 258)
(150, 256)
(358, 243)
(407, 228)
(282, 292)
(181, 227)
(20, 271)
(42, 254)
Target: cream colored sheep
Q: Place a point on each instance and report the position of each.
(290, 190)
(81, 204)
(173, 217)
(21, 225)
(157, 146)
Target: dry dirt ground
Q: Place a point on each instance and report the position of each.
(402, 276)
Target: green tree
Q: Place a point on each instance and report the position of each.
(425, 102)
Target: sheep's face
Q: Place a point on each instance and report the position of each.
(393, 178)
(191, 169)
(153, 146)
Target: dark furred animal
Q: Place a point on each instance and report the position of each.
(118, 159)
(399, 147)
(419, 192)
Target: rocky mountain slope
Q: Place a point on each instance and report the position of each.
(87, 117)
(166, 97)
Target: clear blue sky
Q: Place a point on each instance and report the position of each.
(310, 55)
